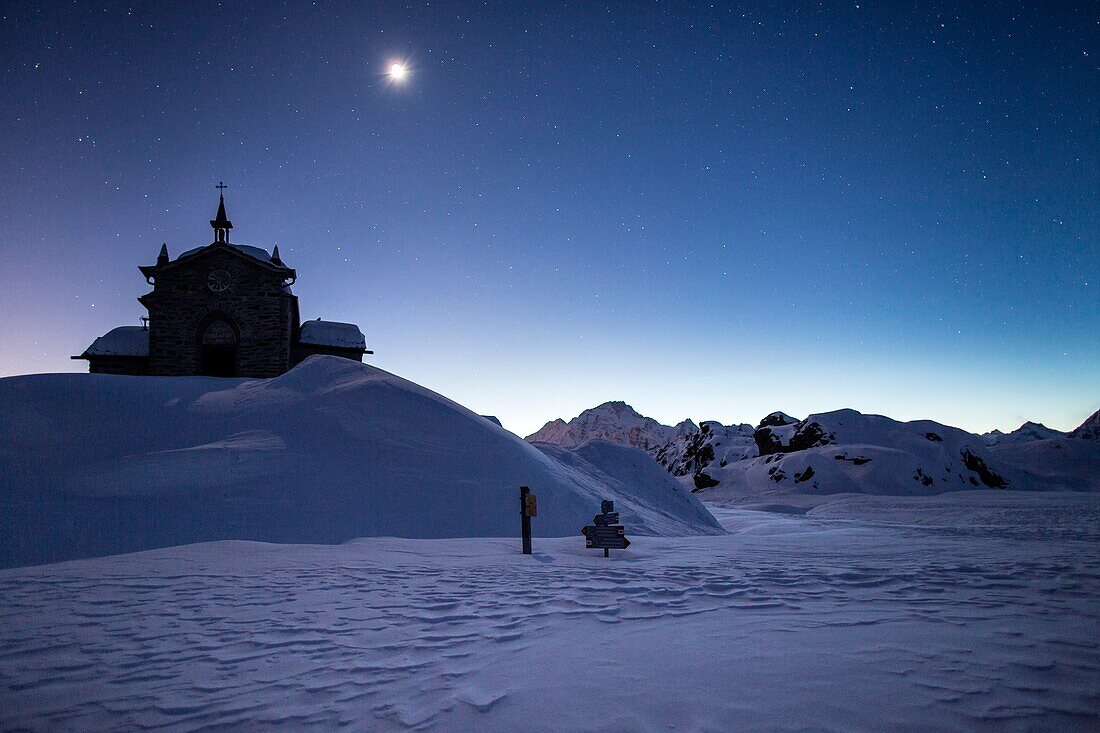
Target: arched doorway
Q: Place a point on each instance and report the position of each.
(218, 350)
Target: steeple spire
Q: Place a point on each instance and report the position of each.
(221, 222)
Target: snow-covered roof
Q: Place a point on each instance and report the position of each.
(257, 253)
(331, 333)
(121, 341)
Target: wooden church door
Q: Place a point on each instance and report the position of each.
(218, 357)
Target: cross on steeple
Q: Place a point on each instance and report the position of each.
(221, 222)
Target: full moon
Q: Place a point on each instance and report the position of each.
(398, 72)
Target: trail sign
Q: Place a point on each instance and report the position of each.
(607, 534)
(528, 507)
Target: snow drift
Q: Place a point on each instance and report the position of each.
(101, 464)
(631, 472)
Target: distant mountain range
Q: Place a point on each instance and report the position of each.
(843, 451)
(617, 422)
(1026, 432)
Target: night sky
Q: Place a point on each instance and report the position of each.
(709, 211)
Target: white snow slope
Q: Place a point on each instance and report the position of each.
(960, 612)
(848, 452)
(1068, 464)
(98, 464)
(1089, 429)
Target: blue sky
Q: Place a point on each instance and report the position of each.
(708, 213)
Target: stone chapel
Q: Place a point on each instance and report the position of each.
(221, 310)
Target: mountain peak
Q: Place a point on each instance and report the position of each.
(614, 406)
(777, 419)
(615, 421)
(1089, 429)
(1027, 432)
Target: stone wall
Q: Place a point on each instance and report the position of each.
(255, 305)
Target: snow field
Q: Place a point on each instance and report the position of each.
(836, 619)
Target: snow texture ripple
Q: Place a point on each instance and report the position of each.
(975, 611)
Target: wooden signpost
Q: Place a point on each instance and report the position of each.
(528, 507)
(606, 534)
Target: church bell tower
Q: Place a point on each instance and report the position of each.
(221, 222)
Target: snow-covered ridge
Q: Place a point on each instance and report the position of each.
(848, 452)
(1062, 464)
(617, 422)
(1026, 432)
(98, 464)
(843, 451)
(1089, 429)
(690, 455)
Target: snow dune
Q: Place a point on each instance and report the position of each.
(99, 464)
(1068, 464)
(952, 614)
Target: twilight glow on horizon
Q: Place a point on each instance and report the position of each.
(707, 212)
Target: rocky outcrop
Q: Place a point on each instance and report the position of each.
(777, 419)
(976, 465)
(701, 454)
(790, 438)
